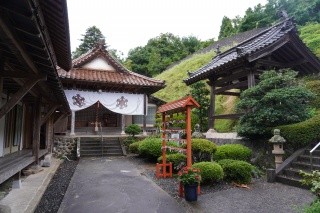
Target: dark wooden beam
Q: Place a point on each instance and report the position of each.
(59, 117)
(49, 113)
(212, 107)
(19, 95)
(282, 64)
(231, 77)
(229, 93)
(17, 43)
(229, 116)
(232, 86)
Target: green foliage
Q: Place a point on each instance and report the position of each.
(210, 171)
(151, 148)
(226, 28)
(189, 177)
(314, 86)
(313, 208)
(200, 93)
(310, 34)
(236, 170)
(301, 134)
(312, 180)
(276, 100)
(232, 151)
(160, 52)
(177, 160)
(134, 147)
(92, 36)
(202, 149)
(133, 129)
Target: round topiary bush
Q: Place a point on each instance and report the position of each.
(133, 129)
(202, 149)
(151, 148)
(232, 151)
(134, 147)
(210, 171)
(176, 159)
(236, 170)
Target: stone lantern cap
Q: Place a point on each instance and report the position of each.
(277, 139)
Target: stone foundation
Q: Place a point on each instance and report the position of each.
(65, 146)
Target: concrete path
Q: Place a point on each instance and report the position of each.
(114, 185)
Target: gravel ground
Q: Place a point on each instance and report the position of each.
(170, 185)
(53, 196)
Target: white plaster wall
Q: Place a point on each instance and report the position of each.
(99, 63)
(2, 122)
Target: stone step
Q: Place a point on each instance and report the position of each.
(304, 165)
(291, 181)
(306, 158)
(292, 172)
(314, 153)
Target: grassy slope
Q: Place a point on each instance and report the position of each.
(176, 88)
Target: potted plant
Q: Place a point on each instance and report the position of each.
(190, 179)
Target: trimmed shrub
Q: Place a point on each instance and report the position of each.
(151, 148)
(301, 134)
(202, 149)
(210, 171)
(314, 86)
(133, 129)
(177, 159)
(232, 151)
(134, 147)
(236, 170)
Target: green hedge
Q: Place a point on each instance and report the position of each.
(236, 170)
(176, 159)
(151, 148)
(232, 151)
(314, 86)
(210, 171)
(301, 134)
(134, 147)
(202, 149)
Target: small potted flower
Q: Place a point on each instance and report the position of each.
(190, 179)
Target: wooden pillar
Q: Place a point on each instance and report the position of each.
(212, 107)
(188, 132)
(164, 144)
(73, 119)
(145, 115)
(49, 134)
(36, 129)
(251, 79)
(123, 124)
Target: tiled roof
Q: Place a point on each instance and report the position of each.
(120, 75)
(259, 41)
(109, 76)
(178, 105)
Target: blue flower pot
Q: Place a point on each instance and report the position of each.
(190, 192)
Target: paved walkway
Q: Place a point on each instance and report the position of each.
(114, 185)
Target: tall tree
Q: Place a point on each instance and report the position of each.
(200, 93)
(226, 28)
(278, 99)
(89, 40)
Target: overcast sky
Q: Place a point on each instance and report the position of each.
(127, 24)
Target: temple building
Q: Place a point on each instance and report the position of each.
(276, 47)
(105, 97)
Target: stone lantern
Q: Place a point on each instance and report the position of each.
(278, 142)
